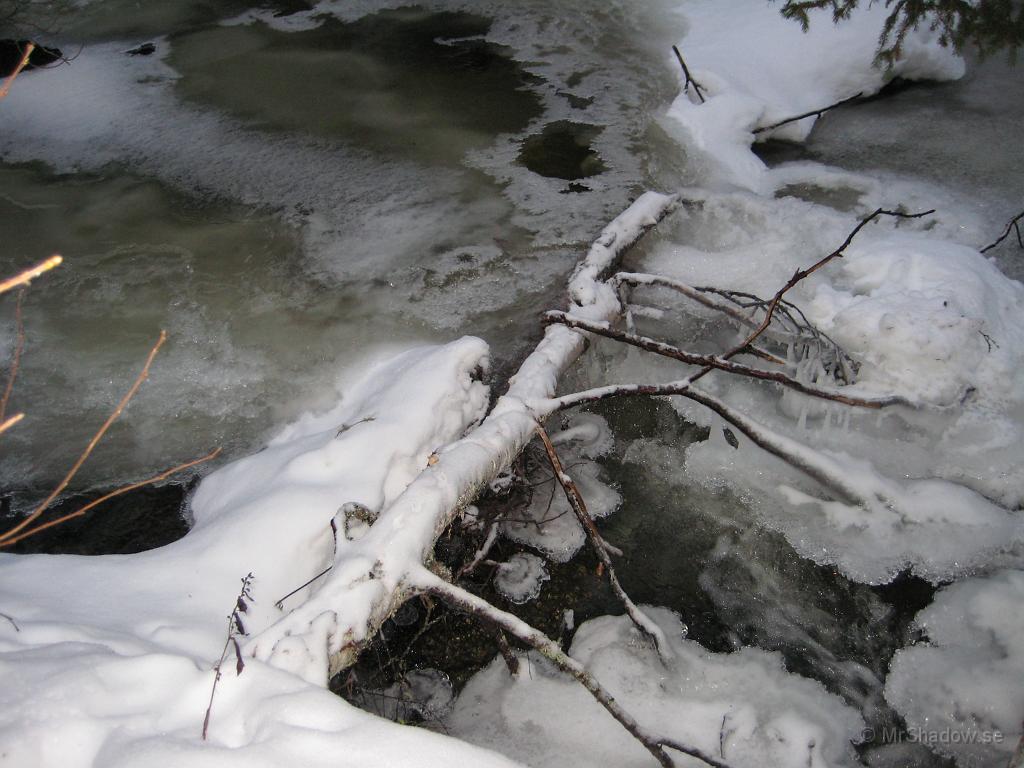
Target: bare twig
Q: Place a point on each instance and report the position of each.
(235, 628)
(686, 73)
(11, 538)
(720, 363)
(6, 87)
(1013, 226)
(143, 375)
(30, 274)
(812, 113)
(467, 602)
(811, 463)
(575, 498)
(801, 274)
(16, 360)
(11, 422)
(13, 622)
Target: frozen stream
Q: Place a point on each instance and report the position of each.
(294, 191)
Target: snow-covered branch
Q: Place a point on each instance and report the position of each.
(369, 578)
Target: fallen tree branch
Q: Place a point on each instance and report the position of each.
(720, 363)
(467, 602)
(1013, 226)
(575, 498)
(686, 73)
(812, 113)
(405, 532)
(812, 463)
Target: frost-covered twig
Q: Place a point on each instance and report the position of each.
(579, 506)
(720, 363)
(473, 605)
(686, 73)
(802, 274)
(1013, 226)
(485, 548)
(812, 113)
(235, 628)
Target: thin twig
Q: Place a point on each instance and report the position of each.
(11, 422)
(473, 605)
(687, 75)
(235, 628)
(575, 498)
(16, 360)
(13, 622)
(9, 538)
(1014, 225)
(812, 113)
(720, 363)
(801, 274)
(30, 274)
(5, 89)
(143, 375)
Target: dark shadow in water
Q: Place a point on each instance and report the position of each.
(562, 151)
(404, 82)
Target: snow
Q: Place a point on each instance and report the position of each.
(115, 652)
(519, 578)
(781, 72)
(958, 687)
(742, 707)
(548, 523)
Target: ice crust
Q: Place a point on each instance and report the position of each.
(519, 579)
(743, 707)
(957, 688)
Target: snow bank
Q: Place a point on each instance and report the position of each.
(757, 68)
(743, 707)
(115, 652)
(958, 688)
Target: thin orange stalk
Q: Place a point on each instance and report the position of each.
(11, 422)
(143, 375)
(31, 273)
(17, 70)
(7, 539)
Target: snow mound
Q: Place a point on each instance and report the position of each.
(758, 68)
(959, 688)
(743, 707)
(519, 579)
(115, 652)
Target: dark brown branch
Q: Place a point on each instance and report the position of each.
(812, 113)
(1013, 226)
(235, 628)
(686, 73)
(575, 498)
(801, 274)
(720, 363)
